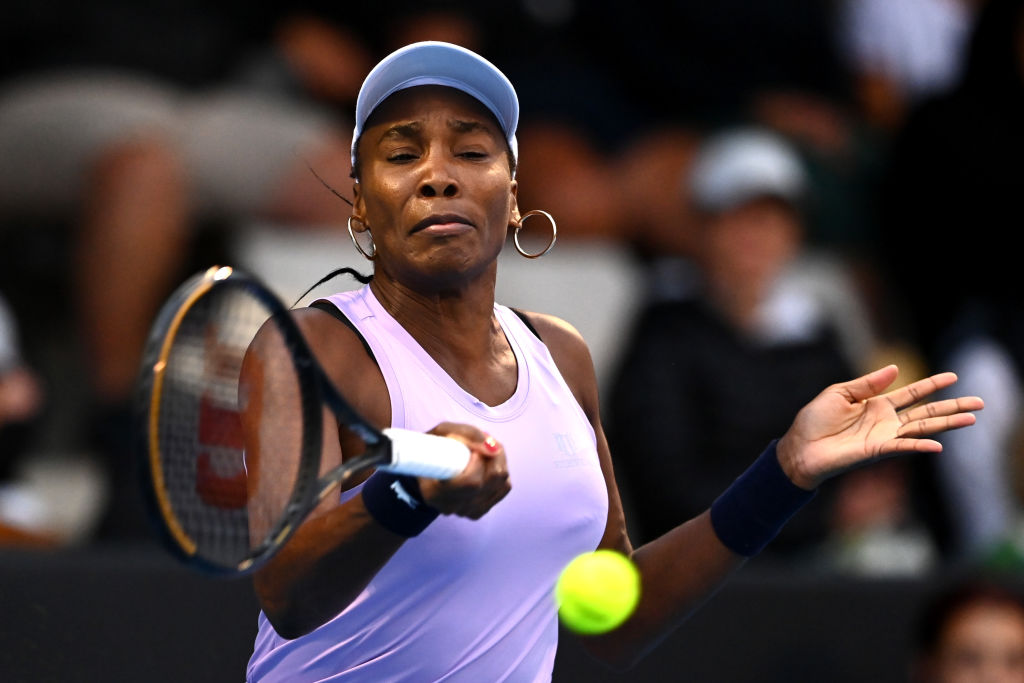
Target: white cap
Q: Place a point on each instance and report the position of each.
(735, 167)
(437, 63)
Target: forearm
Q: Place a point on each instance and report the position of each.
(684, 567)
(323, 568)
(679, 571)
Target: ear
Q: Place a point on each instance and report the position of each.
(358, 208)
(514, 217)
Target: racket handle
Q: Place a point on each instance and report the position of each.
(425, 455)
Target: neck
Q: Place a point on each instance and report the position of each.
(458, 329)
(739, 305)
(448, 311)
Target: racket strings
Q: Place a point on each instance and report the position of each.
(212, 482)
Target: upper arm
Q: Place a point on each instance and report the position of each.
(572, 357)
(272, 425)
(272, 420)
(348, 365)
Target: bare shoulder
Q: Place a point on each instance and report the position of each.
(557, 333)
(571, 354)
(347, 362)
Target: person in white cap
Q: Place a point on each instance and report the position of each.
(761, 322)
(733, 331)
(459, 585)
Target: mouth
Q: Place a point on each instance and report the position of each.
(450, 221)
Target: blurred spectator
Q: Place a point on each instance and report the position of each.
(954, 175)
(686, 68)
(970, 632)
(136, 124)
(20, 403)
(874, 529)
(733, 343)
(677, 70)
(20, 389)
(903, 52)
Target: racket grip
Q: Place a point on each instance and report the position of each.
(425, 455)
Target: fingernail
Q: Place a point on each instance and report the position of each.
(491, 443)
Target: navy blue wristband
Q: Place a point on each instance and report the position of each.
(394, 500)
(755, 507)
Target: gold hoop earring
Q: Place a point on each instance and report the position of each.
(359, 248)
(554, 233)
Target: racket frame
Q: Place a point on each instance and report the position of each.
(397, 450)
(314, 389)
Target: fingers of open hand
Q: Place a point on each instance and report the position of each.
(939, 416)
(915, 391)
(939, 409)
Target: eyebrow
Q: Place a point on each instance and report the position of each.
(413, 128)
(402, 130)
(468, 126)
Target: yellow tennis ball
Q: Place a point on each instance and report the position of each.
(597, 591)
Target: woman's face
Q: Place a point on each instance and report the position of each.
(435, 187)
(983, 643)
(749, 246)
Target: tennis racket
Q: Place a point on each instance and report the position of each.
(227, 495)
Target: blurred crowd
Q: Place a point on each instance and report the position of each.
(783, 171)
(969, 630)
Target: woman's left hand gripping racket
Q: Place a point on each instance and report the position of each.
(225, 500)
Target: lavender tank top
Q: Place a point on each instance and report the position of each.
(465, 600)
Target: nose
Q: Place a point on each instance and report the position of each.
(434, 188)
(438, 180)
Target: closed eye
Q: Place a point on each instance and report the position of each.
(400, 157)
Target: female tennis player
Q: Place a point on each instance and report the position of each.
(401, 578)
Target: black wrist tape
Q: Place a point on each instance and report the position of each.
(755, 507)
(395, 502)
